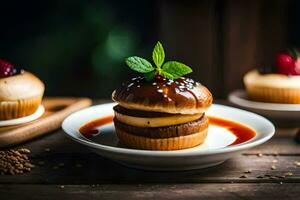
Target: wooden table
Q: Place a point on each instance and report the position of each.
(67, 170)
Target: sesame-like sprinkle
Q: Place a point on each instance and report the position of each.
(131, 84)
(160, 91)
(154, 83)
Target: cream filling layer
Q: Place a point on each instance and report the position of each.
(156, 121)
(271, 80)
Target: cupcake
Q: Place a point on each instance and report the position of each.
(20, 92)
(277, 84)
(161, 110)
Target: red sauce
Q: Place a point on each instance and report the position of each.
(89, 129)
(242, 132)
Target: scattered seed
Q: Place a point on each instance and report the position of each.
(273, 167)
(29, 165)
(275, 161)
(259, 154)
(243, 176)
(15, 161)
(297, 163)
(62, 186)
(24, 151)
(289, 174)
(248, 171)
(281, 182)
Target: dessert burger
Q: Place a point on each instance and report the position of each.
(20, 92)
(161, 110)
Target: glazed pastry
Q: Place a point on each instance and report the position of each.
(279, 84)
(161, 113)
(20, 92)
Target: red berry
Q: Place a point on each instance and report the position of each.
(286, 65)
(6, 69)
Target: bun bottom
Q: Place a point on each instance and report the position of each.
(19, 108)
(163, 144)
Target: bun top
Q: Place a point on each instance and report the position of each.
(21, 86)
(183, 95)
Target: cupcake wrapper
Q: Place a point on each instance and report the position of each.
(18, 109)
(275, 95)
(174, 143)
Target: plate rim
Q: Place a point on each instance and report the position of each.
(236, 98)
(175, 153)
(11, 122)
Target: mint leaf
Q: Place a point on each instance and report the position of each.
(139, 64)
(150, 75)
(176, 69)
(158, 54)
(166, 74)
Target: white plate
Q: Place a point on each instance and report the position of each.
(214, 151)
(39, 112)
(289, 113)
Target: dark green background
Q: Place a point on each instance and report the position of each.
(77, 47)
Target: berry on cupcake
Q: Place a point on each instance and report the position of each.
(161, 110)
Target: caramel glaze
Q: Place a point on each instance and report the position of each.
(182, 92)
(242, 132)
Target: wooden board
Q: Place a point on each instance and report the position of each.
(56, 109)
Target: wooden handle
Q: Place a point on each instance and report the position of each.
(57, 109)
